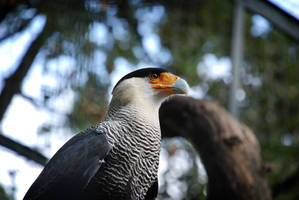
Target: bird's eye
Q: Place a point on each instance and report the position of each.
(154, 76)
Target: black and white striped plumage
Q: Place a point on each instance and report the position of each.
(117, 158)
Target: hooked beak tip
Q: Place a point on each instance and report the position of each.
(180, 87)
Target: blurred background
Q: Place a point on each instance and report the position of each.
(59, 60)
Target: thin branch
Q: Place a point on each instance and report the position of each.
(13, 83)
(17, 29)
(23, 150)
(12, 86)
(39, 104)
(33, 101)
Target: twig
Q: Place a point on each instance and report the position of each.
(23, 150)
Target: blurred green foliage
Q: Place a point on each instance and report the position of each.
(4, 195)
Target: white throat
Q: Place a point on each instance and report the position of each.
(138, 92)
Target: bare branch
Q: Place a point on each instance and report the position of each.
(12, 86)
(33, 101)
(39, 104)
(13, 83)
(23, 150)
(17, 29)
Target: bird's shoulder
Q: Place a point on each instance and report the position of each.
(72, 167)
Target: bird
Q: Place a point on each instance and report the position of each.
(117, 158)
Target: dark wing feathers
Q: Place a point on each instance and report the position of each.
(152, 192)
(71, 168)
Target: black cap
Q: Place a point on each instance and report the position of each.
(144, 72)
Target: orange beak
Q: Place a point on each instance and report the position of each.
(170, 84)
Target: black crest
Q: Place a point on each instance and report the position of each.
(144, 72)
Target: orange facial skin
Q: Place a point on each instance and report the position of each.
(164, 82)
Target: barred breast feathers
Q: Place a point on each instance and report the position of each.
(132, 128)
(134, 158)
(130, 119)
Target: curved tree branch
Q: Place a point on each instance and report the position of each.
(229, 150)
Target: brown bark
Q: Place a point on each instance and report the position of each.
(229, 150)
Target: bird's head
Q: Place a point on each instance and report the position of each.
(148, 87)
